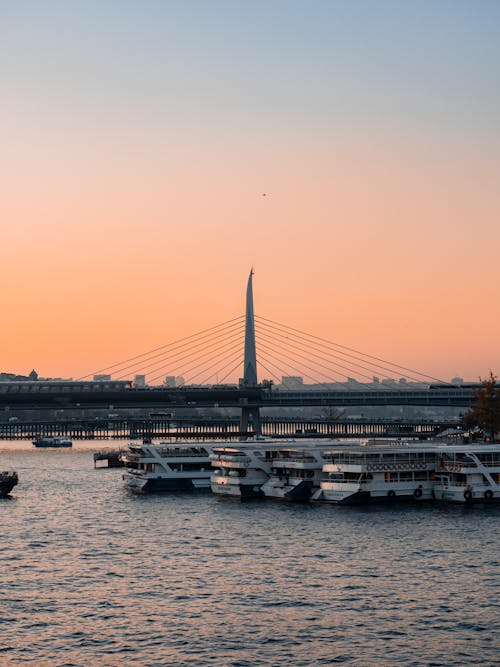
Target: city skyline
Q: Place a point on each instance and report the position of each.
(153, 153)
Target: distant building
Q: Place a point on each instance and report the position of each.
(13, 377)
(140, 381)
(102, 378)
(170, 381)
(292, 381)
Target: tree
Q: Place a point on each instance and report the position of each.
(485, 412)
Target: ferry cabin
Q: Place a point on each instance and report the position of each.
(378, 473)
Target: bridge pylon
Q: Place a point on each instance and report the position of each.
(250, 414)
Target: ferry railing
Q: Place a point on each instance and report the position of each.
(382, 461)
(165, 454)
(296, 459)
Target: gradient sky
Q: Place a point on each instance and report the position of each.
(138, 138)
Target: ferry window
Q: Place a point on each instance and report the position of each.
(405, 476)
(421, 475)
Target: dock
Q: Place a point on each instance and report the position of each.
(108, 458)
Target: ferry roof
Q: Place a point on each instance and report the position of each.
(374, 447)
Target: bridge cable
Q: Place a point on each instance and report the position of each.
(295, 347)
(165, 362)
(278, 336)
(297, 370)
(180, 340)
(313, 346)
(323, 340)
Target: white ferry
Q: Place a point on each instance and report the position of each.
(468, 474)
(296, 472)
(379, 472)
(243, 470)
(167, 467)
(240, 470)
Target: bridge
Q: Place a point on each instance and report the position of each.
(338, 376)
(60, 395)
(225, 428)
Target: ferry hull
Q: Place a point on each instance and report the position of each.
(461, 497)
(365, 497)
(165, 485)
(237, 490)
(52, 445)
(300, 492)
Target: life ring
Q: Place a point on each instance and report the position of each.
(418, 492)
(488, 494)
(468, 494)
(391, 494)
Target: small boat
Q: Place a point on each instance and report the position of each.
(53, 441)
(8, 480)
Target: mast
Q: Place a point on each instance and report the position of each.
(250, 414)
(250, 360)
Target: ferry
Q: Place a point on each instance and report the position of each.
(379, 471)
(253, 469)
(296, 472)
(239, 471)
(53, 441)
(468, 474)
(8, 480)
(167, 467)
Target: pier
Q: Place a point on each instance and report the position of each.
(224, 428)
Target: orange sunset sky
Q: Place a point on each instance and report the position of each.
(138, 140)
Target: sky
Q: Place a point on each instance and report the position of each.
(153, 152)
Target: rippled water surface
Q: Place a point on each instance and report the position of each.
(91, 575)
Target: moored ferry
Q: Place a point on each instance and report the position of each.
(240, 471)
(167, 467)
(253, 469)
(468, 474)
(296, 472)
(379, 472)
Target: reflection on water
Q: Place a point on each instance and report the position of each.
(93, 575)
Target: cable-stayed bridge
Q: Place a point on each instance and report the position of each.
(250, 363)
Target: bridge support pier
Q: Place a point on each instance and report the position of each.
(250, 416)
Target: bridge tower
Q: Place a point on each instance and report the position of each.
(249, 413)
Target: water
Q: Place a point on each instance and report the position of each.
(91, 575)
